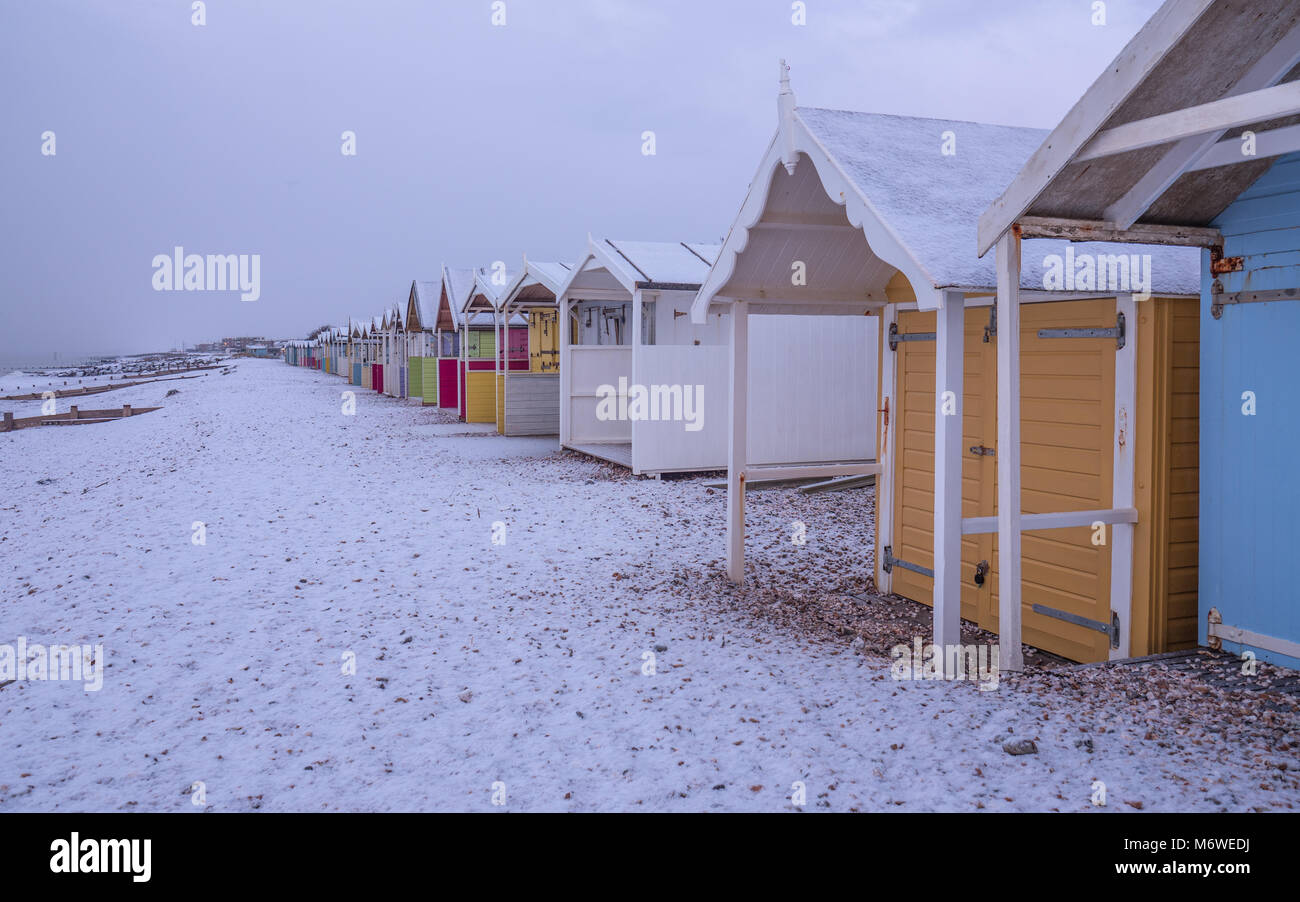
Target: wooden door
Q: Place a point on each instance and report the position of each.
(1067, 423)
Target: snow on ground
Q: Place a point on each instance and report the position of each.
(519, 663)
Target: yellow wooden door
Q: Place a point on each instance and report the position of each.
(1067, 417)
(543, 341)
(913, 539)
(1067, 422)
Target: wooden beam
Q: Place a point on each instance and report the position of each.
(736, 442)
(1142, 233)
(1189, 153)
(1121, 78)
(1010, 655)
(1122, 479)
(950, 337)
(810, 471)
(976, 526)
(1216, 116)
(1272, 143)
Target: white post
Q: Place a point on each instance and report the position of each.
(1121, 546)
(566, 370)
(634, 377)
(887, 417)
(1010, 657)
(949, 347)
(736, 442)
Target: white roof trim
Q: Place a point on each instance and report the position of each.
(881, 238)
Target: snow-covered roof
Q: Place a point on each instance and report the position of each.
(490, 284)
(860, 197)
(933, 201)
(536, 279)
(424, 297)
(457, 283)
(646, 264)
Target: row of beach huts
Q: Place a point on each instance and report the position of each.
(1066, 357)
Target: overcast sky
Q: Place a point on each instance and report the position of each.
(474, 142)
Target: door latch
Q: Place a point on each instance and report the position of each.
(983, 451)
(981, 572)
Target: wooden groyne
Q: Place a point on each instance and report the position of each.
(72, 417)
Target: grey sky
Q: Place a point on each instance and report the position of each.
(474, 143)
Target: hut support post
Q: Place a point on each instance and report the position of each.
(634, 377)
(949, 348)
(736, 440)
(1010, 657)
(885, 444)
(566, 370)
(1122, 496)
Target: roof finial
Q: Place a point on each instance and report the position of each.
(785, 106)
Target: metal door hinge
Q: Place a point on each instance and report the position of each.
(1248, 297)
(895, 336)
(1116, 333)
(1110, 629)
(890, 562)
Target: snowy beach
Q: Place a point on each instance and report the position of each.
(327, 536)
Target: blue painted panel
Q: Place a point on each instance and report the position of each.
(1250, 483)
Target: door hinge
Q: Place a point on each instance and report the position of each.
(895, 336)
(890, 562)
(1110, 629)
(1248, 297)
(1116, 333)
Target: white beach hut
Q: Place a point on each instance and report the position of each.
(626, 324)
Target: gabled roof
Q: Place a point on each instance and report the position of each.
(422, 306)
(646, 264)
(873, 194)
(541, 281)
(1109, 161)
(490, 285)
(457, 283)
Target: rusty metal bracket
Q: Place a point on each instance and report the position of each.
(1221, 265)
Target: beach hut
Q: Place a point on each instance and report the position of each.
(1190, 137)
(481, 342)
(626, 330)
(421, 322)
(394, 343)
(884, 222)
(356, 349)
(528, 397)
(378, 332)
(445, 365)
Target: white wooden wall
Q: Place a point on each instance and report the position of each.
(812, 395)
